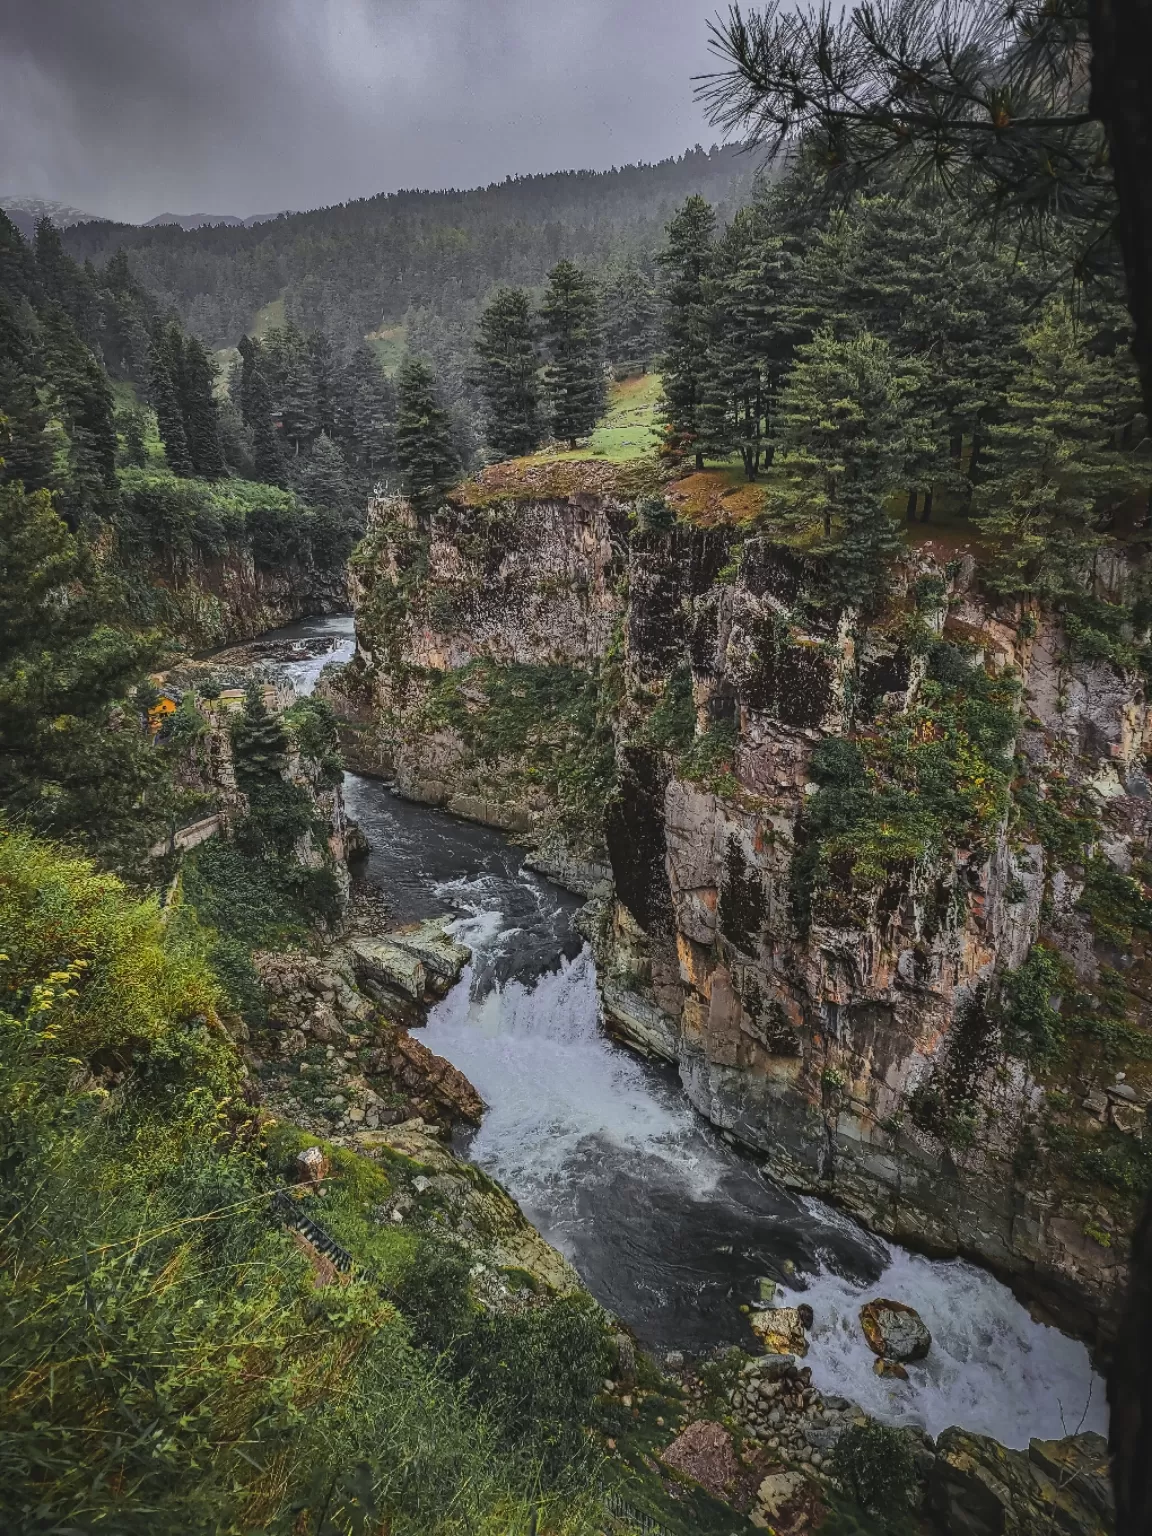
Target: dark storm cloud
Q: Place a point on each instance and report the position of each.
(131, 107)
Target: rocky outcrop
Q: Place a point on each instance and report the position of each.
(827, 979)
(978, 1488)
(475, 1207)
(209, 601)
(353, 1001)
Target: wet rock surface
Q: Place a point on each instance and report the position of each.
(977, 1488)
(895, 1331)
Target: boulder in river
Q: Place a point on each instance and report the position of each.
(782, 1330)
(891, 1368)
(895, 1331)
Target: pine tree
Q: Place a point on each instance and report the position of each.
(267, 453)
(365, 414)
(848, 425)
(324, 478)
(507, 374)
(84, 400)
(1057, 466)
(574, 382)
(67, 658)
(169, 419)
(686, 263)
(259, 742)
(65, 283)
(251, 393)
(287, 363)
(130, 425)
(752, 340)
(199, 410)
(425, 451)
(632, 333)
(25, 443)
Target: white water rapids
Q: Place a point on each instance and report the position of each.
(568, 1109)
(670, 1228)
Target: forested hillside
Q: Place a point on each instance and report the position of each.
(411, 257)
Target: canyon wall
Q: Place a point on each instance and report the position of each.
(207, 601)
(877, 887)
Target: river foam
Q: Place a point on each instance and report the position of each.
(671, 1228)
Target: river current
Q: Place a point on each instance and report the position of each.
(669, 1227)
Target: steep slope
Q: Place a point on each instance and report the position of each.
(877, 887)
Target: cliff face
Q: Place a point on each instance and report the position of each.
(208, 601)
(877, 888)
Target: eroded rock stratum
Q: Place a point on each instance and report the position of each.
(876, 883)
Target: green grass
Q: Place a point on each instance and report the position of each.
(389, 344)
(629, 428)
(268, 318)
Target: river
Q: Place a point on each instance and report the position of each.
(668, 1226)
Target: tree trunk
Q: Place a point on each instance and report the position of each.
(1121, 35)
(699, 459)
(927, 512)
(910, 512)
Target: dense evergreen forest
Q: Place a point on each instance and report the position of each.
(876, 355)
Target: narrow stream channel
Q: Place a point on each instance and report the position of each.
(669, 1227)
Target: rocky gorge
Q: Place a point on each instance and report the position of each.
(875, 887)
(335, 1061)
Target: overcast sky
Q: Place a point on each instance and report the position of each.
(130, 108)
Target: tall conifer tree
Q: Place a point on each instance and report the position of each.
(169, 418)
(25, 445)
(849, 424)
(425, 450)
(686, 262)
(200, 411)
(507, 373)
(574, 381)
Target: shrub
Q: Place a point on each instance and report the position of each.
(874, 1463)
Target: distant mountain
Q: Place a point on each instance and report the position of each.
(25, 213)
(191, 221)
(424, 258)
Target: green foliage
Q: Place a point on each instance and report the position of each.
(848, 431)
(184, 518)
(874, 1463)
(1032, 1027)
(507, 373)
(425, 449)
(537, 1372)
(249, 889)
(168, 1363)
(1057, 467)
(547, 724)
(1116, 903)
(1120, 1162)
(131, 982)
(574, 384)
(686, 263)
(169, 417)
(312, 725)
(672, 723)
(933, 778)
(72, 763)
(631, 325)
(710, 757)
